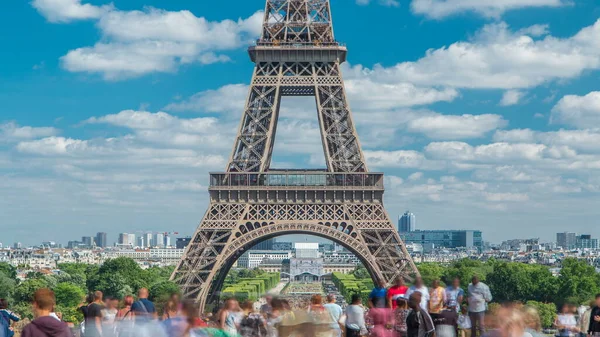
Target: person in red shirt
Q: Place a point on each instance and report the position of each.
(396, 291)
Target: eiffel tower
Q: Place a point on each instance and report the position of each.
(296, 55)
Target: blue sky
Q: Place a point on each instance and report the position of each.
(483, 114)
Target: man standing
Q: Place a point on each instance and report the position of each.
(335, 311)
(143, 309)
(479, 296)
(43, 325)
(396, 291)
(93, 322)
(378, 296)
(420, 287)
(418, 322)
(455, 295)
(594, 329)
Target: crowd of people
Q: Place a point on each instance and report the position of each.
(398, 311)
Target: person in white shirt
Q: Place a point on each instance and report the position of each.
(420, 287)
(355, 318)
(335, 311)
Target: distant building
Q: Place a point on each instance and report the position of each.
(283, 246)
(407, 222)
(566, 240)
(167, 241)
(445, 238)
(586, 242)
(306, 250)
(48, 244)
(101, 240)
(140, 242)
(181, 243)
(126, 239)
(159, 240)
(253, 258)
(87, 241)
(148, 240)
(264, 245)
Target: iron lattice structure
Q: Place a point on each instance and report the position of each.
(296, 55)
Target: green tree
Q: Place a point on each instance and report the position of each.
(24, 291)
(113, 285)
(465, 269)
(361, 272)
(68, 295)
(547, 312)
(430, 271)
(7, 286)
(577, 280)
(8, 270)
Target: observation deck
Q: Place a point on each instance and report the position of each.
(296, 187)
(274, 51)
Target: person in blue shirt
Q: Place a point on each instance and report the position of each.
(454, 295)
(143, 308)
(6, 316)
(378, 296)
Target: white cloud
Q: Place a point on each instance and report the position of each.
(511, 97)
(438, 9)
(387, 3)
(68, 10)
(585, 140)
(579, 111)
(456, 127)
(162, 128)
(136, 43)
(514, 197)
(499, 58)
(227, 99)
(10, 132)
(398, 159)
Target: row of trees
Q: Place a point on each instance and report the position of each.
(577, 282)
(115, 278)
(256, 284)
(349, 284)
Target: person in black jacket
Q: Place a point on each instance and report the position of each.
(45, 325)
(594, 329)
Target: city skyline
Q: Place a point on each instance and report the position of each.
(501, 139)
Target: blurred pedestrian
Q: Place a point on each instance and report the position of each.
(420, 287)
(533, 323)
(400, 314)
(335, 312)
(253, 324)
(437, 299)
(143, 309)
(43, 325)
(93, 321)
(479, 296)
(566, 322)
(172, 308)
(267, 308)
(124, 313)
(227, 317)
(455, 295)
(109, 316)
(464, 322)
(418, 322)
(6, 319)
(355, 318)
(446, 322)
(398, 290)
(594, 326)
(378, 297)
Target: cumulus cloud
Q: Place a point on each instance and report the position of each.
(578, 111)
(585, 140)
(511, 97)
(11, 132)
(498, 58)
(438, 9)
(61, 11)
(456, 127)
(136, 43)
(387, 3)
